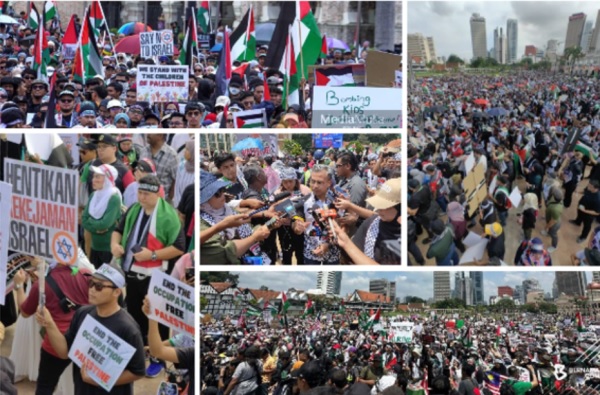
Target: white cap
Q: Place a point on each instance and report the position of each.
(114, 103)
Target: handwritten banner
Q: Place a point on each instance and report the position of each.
(403, 332)
(157, 84)
(156, 43)
(351, 107)
(172, 302)
(104, 354)
(43, 216)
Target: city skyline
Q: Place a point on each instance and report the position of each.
(538, 22)
(407, 283)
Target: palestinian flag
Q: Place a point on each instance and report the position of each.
(498, 335)
(580, 324)
(374, 319)
(468, 338)
(305, 36)
(97, 18)
(586, 150)
(250, 119)
(253, 311)
(243, 39)
(308, 309)
(69, 41)
(158, 236)
(285, 304)
(203, 17)
(41, 53)
(34, 19)
(49, 10)
(324, 50)
(460, 324)
(223, 75)
(78, 74)
(270, 308)
(287, 67)
(90, 54)
(334, 76)
(190, 43)
(238, 295)
(342, 308)
(267, 94)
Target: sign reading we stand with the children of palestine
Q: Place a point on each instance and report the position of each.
(162, 83)
(44, 210)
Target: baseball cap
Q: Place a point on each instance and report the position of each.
(114, 103)
(86, 144)
(387, 196)
(106, 139)
(110, 273)
(537, 245)
(107, 171)
(222, 101)
(146, 166)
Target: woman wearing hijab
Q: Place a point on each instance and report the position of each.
(122, 121)
(442, 246)
(456, 217)
(226, 238)
(291, 243)
(529, 215)
(185, 172)
(102, 213)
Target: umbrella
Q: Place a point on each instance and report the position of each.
(133, 28)
(438, 109)
(497, 112)
(336, 43)
(248, 143)
(480, 115)
(5, 19)
(216, 48)
(264, 32)
(131, 45)
(481, 102)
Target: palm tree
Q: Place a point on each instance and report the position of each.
(571, 56)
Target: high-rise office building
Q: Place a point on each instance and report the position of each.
(596, 277)
(512, 40)
(571, 283)
(586, 36)
(595, 38)
(465, 289)
(575, 30)
(499, 45)
(519, 295)
(477, 284)
(329, 282)
(422, 47)
(478, 36)
(441, 286)
(505, 290)
(383, 287)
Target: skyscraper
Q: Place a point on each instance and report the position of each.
(383, 287)
(499, 45)
(465, 289)
(596, 277)
(421, 46)
(441, 286)
(575, 30)
(477, 284)
(586, 36)
(478, 36)
(571, 283)
(329, 282)
(512, 40)
(595, 39)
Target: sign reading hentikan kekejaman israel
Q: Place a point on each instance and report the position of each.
(43, 216)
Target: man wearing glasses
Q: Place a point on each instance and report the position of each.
(136, 115)
(66, 116)
(194, 113)
(39, 88)
(105, 287)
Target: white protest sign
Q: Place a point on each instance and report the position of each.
(171, 302)
(469, 163)
(43, 217)
(156, 43)
(472, 239)
(356, 107)
(493, 185)
(403, 332)
(515, 197)
(156, 84)
(474, 253)
(104, 354)
(5, 205)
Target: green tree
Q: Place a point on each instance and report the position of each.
(203, 303)
(454, 59)
(415, 299)
(503, 304)
(454, 303)
(220, 277)
(548, 308)
(571, 56)
(292, 147)
(305, 141)
(264, 288)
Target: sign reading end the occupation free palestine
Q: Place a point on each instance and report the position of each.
(171, 303)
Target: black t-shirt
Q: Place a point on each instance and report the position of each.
(420, 199)
(186, 359)
(590, 200)
(186, 207)
(124, 326)
(236, 190)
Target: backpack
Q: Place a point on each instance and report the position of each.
(506, 388)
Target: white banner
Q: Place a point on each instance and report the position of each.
(43, 219)
(156, 43)
(171, 303)
(157, 84)
(104, 354)
(5, 206)
(403, 332)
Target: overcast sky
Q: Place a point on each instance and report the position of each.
(539, 21)
(407, 283)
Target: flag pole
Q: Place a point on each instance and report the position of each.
(300, 40)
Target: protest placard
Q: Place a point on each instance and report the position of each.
(104, 354)
(250, 119)
(381, 69)
(328, 140)
(403, 332)
(156, 43)
(351, 107)
(15, 262)
(44, 212)
(157, 84)
(5, 204)
(269, 141)
(172, 302)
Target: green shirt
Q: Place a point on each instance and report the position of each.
(101, 229)
(440, 249)
(554, 211)
(216, 253)
(522, 387)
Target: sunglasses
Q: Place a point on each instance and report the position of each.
(99, 286)
(29, 78)
(38, 87)
(66, 101)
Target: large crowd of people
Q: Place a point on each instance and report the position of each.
(326, 208)
(136, 196)
(455, 353)
(530, 130)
